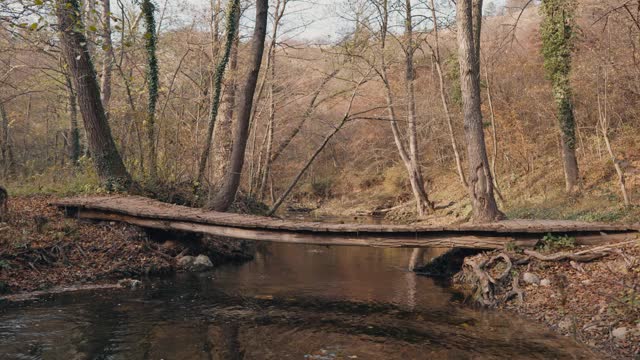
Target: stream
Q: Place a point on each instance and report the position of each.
(290, 302)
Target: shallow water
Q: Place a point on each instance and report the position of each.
(291, 302)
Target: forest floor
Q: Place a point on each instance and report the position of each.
(596, 303)
(41, 249)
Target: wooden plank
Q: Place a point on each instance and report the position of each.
(149, 209)
(343, 239)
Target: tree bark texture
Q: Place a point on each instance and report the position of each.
(226, 194)
(483, 202)
(107, 160)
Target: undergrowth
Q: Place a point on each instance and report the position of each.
(551, 243)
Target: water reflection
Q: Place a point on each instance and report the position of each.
(291, 302)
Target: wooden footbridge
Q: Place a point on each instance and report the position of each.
(148, 213)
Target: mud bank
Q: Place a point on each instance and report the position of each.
(41, 249)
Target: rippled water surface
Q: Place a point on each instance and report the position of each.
(291, 302)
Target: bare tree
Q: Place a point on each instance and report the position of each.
(106, 157)
(271, 63)
(424, 205)
(74, 131)
(469, 17)
(227, 192)
(443, 96)
(409, 156)
(233, 12)
(345, 119)
(603, 124)
(313, 104)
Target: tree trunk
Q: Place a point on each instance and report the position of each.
(270, 131)
(556, 31)
(233, 13)
(89, 19)
(226, 195)
(494, 134)
(483, 202)
(8, 162)
(148, 10)
(603, 122)
(224, 126)
(107, 63)
(567, 137)
(107, 160)
(417, 186)
(443, 98)
(415, 174)
(74, 131)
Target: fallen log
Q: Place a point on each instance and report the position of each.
(394, 240)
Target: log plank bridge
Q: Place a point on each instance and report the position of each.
(148, 213)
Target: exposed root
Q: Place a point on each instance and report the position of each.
(565, 256)
(505, 272)
(488, 287)
(515, 291)
(485, 284)
(580, 256)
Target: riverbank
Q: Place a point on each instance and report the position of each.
(595, 302)
(41, 249)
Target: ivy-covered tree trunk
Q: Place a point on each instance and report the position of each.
(224, 126)
(557, 33)
(468, 18)
(107, 160)
(107, 62)
(233, 11)
(227, 193)
(152, 83)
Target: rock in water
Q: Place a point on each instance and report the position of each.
(130, 283)
(186, 262)
(619, 333)
(531, 278)
(202, 263)
(198, 263)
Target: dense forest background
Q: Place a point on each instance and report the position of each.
(328, 98)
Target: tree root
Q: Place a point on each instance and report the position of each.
(580, 256)
(476, 271)
(515, 291)
(485, 284)
(565, 256)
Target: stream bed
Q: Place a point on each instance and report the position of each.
(290, 302)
